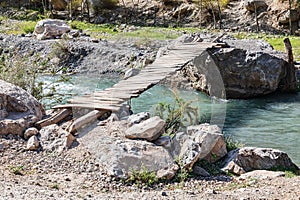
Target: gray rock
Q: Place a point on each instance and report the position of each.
(54, 138)
(131, 72)
(120, 157)
(261, 174)
(199, 171)
(247, 159)
(50, 29)
(207, 143)
(246, 69)
(33, 143)
(3, 146)
(189, 153)
(176, 143)
(149, 129)
(19, 109)
(191, 130)
(167, 173)
(30, 132)
(137, 118)
(164, 141)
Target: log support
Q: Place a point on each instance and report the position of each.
(58, 117)
(291, 82)
(85, 119)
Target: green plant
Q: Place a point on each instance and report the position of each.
(17, 170)
(27, 26)
(211, 168)
(55, 186)
(16, 70)
(177, 115)
(289, 172)
(182, 175)
(231, 144)
(143, 176)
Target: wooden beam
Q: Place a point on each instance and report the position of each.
(85, 119)
(58, 117)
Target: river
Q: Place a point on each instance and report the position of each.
(271, 121)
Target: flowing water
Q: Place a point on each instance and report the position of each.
(272, 121)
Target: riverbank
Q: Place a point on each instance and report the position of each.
(74, 174)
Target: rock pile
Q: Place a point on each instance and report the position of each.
(136, 148)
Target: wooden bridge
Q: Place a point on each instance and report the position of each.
(112, 99)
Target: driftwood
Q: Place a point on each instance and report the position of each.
(58, 117)
(85, 119)
(291, 83)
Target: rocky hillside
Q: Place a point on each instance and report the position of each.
(235, 15)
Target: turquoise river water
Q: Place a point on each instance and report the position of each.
(272, 121)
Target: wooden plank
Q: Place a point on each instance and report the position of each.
(115, 100)
(102, 103)
(96, 107)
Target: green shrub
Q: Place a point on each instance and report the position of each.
(17, 170)
(177, 115)
(142, 177)
(231, 144)
(18, 71)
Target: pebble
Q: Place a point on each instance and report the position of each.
(164, 194)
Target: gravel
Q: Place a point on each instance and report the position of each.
(74, 174)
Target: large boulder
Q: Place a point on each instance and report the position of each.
(244, 69)
(120, 157)
(247, 159)
(202, 142)
(50, 29)
(19, 110)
